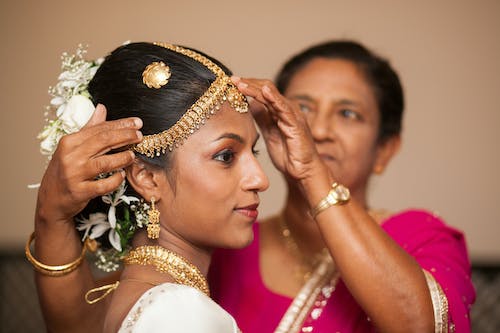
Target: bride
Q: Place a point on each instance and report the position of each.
(194, 175)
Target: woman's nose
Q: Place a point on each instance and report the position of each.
(255, 179)
(321, 127)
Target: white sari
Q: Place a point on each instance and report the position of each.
(172, 307)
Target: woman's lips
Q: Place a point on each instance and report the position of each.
(249, 211)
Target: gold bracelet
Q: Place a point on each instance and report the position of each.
(338, 195)
(58, 270)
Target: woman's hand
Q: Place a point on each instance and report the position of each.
(69, 180)
(284, 128)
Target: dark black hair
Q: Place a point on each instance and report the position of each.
(377, 70)
(118, 85)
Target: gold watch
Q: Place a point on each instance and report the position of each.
(338, 195)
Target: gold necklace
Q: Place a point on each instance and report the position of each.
(166, 261)
(306, 266)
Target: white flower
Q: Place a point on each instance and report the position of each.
(96, 225)
(75, 113)
(114, 199)
(70, 101)
(141, 216)
(72, 107)
(75, 75)
(50, 137)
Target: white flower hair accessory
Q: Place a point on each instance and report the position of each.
(70, 101)
(71, 107)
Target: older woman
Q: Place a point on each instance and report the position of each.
(391, 272)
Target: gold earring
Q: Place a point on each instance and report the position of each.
(154, 221)
(378, 169)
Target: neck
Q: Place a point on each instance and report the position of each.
(302, 226)
(167, 259)
(197, 256)
(168, 262)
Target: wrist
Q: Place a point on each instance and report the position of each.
(316, 186)
(338, 195)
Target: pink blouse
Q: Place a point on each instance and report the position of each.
(236, 284)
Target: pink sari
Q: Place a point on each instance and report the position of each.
(237, 286)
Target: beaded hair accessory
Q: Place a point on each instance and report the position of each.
(221, 90)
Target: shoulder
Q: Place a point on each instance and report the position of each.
(440, 250)
(427, 237)
(413, 222)
(172, 308)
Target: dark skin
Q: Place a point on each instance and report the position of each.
(67, 186)
(349, 233)
(399, 296)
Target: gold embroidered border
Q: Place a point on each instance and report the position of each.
(294, 317)
(439, 303)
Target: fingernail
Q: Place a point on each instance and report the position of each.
(138, 122)
(122, 172)
(235, 79)
(242, 84)
(139, 134)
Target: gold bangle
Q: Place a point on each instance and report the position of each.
(338, 195)
(58, 270)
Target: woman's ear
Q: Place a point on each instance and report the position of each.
(385, 152)
(145, 180)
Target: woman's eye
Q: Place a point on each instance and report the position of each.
(255, 152)
(349, 114)
(304, 108)
(226, 156)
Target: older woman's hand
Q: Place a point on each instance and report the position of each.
(69, 180)
(284, 128)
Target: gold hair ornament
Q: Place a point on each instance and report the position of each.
(221, 90)
(58, 270)
(156, 75)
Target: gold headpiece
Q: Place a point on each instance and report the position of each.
(156, 75)
(221, 90)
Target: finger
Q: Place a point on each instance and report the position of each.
(103, 186)
(279, 106)
(124, 123)
(251, 87)
(108, 163)
(261, 116)
(104, 141)
(98, 116)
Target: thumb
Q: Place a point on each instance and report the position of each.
(99, 116)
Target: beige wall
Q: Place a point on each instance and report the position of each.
(447, 52)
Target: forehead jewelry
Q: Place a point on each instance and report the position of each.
(221, 90)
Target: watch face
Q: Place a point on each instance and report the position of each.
(341, 193)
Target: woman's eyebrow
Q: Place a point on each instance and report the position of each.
(302, 97)
(232, 136)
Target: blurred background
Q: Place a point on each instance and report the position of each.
(446, 52)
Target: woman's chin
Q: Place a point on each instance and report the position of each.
(242, 241)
